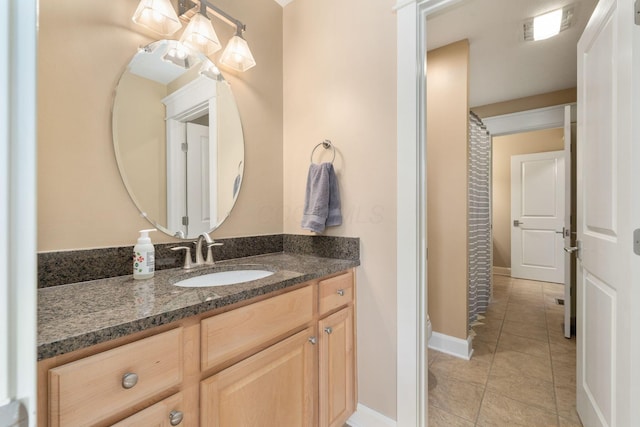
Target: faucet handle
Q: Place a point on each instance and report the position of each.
(209, 260)
(187, 256)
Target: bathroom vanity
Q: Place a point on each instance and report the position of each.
(278, 351)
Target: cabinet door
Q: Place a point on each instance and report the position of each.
(337, 368)
(273, 388)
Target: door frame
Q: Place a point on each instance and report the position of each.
(18, 238)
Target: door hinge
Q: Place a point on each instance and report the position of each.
(636, 241)
(185, 147)
(185, 220)
(637, 12)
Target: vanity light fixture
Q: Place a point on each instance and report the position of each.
(158, 16)
(199, 34)
(548, 24)
(237, 54)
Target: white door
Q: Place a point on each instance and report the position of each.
(567, 221)
(201, 181)
(608, 273)
(537, 216)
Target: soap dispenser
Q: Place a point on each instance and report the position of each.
(144, 256)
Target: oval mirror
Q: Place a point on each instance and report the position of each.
(178, 139)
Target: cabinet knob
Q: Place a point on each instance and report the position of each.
(129, 380)
(175, 417)
(328, 329)
(341, 292)
(313, 340)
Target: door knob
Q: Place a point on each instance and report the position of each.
(571, 250)
(517, 223)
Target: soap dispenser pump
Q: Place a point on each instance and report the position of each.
(144, 256)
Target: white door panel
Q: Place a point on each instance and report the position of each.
(538, 215)
(201, 182)
(607, 375)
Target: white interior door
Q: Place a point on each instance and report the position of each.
(567, 221)
(538, 215)
(201, 181)
(608, 275)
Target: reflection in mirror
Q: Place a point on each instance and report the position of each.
(178, 139)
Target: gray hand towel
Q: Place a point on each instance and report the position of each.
(322, 198)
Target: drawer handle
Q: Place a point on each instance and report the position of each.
(313, 340)
(129, 380)
(175, 417)
(341, 292)
(328, 330)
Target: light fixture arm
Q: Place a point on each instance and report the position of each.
(185, 6)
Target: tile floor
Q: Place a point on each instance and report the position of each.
(522, 372)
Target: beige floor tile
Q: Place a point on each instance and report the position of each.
(533, 318)
(569, 423)
(474, 370)
(456, 397)
(562, 350)
(523, 365)
(500, 411)
(566, 402)
(523, 345)
(432, 355)
(527, 330)
(528, 390)
(440, 418)
(483, 350)
(564, 373)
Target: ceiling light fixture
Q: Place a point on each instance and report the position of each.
(199, 36)
(548, 24)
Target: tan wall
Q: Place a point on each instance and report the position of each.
(83, 49)
(503, 148)
(340, 84)
(447, 142)
(559, 97)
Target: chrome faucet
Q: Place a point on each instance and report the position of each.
(210, 242)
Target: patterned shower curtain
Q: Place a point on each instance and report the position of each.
(480, 237)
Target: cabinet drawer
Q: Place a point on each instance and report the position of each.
(159, 415)
(235, 332)
(92, 389)
(335, 292)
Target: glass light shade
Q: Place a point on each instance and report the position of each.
(547, 25)
(158, 16)
(200, 35)
(237, 55)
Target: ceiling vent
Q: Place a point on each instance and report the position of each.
(549, 24)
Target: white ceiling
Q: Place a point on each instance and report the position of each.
(502, 65)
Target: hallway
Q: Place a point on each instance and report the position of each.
(522, 372)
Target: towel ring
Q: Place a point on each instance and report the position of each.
(326, 144)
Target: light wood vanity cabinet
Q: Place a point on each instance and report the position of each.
(286, 360)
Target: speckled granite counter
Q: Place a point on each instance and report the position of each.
(79, 315)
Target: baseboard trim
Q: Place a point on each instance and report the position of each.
(451, 345)
(367, 417)
(502, 271)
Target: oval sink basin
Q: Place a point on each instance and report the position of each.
(222, 278)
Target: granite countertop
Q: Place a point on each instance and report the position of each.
(78, 315)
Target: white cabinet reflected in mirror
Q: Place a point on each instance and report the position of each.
(178, 139)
